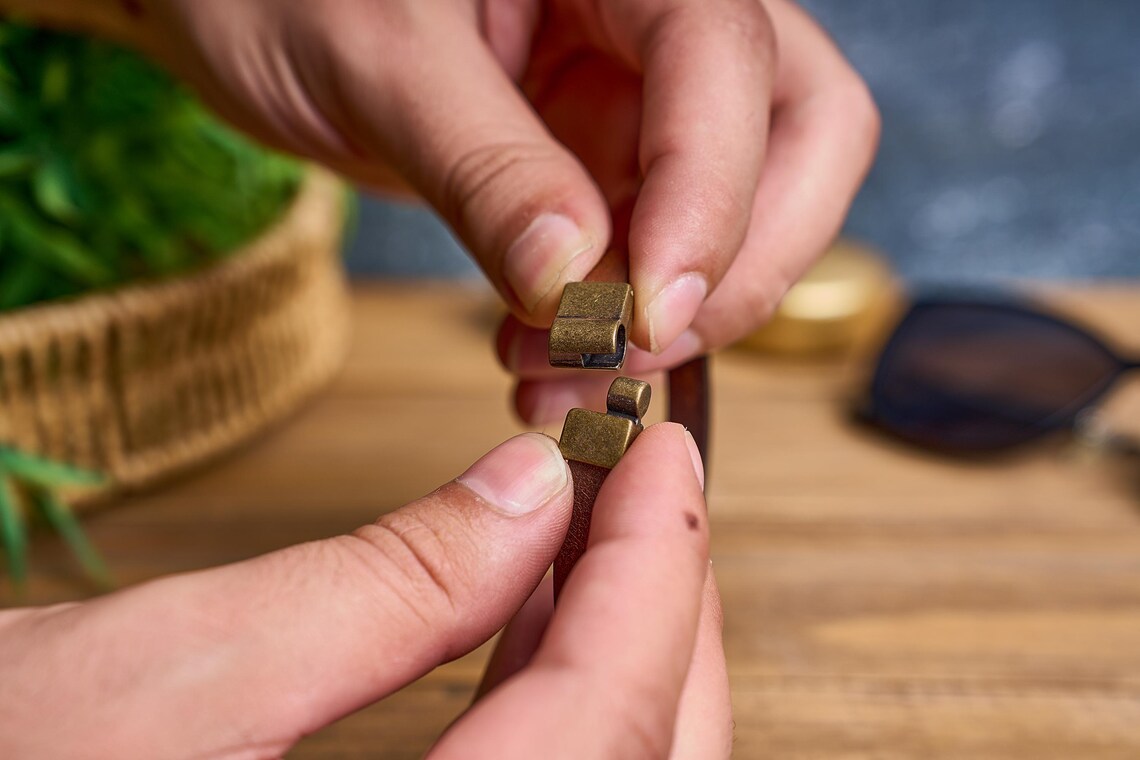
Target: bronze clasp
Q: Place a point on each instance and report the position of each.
(602, 438)
(590, 327)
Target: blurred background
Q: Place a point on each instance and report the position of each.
(1010, 148)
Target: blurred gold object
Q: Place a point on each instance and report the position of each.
(836, 305)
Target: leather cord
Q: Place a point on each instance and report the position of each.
(689, 402)
(689, 406)
(588, 479)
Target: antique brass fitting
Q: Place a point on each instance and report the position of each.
(601, 439)
(590, 327)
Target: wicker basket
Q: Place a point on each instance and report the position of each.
(147, 380)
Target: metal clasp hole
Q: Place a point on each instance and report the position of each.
(607, 361)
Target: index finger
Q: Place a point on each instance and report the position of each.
(708, 68)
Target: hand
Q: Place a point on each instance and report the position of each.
(750, 152)
(712, 145)
(244, 660)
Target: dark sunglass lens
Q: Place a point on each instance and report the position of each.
(982, 376)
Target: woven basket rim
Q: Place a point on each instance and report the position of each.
(239, 344)
(145, 295)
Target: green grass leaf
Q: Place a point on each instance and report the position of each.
(19, 281)
(58, 248)
(50, 186)
(110, 172)
(15, 533)
(56, 79)
(63, 520)
(45, 473)
(16, 160)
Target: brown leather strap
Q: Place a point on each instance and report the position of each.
(588, 479)
(689, 402)
(689, 406)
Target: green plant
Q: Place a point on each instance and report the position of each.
(30, 487)
(110, 173)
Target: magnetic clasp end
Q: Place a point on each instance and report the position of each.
(590, 328)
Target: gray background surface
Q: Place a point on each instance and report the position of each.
(1011, 144)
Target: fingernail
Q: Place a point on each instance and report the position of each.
(536, 262)
(672, 310)
(519, 476)
(695, 455)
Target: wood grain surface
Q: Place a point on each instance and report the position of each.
(879, 603)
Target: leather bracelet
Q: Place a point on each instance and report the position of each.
(589, 332)
(688, 405)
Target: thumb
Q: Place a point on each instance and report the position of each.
(470, 143)
(257, 654)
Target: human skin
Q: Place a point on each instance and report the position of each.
(705, 149)
(710, 147)
(242, 661)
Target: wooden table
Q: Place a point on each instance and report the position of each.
(879, 603)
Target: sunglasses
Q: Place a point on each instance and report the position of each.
(974, 375)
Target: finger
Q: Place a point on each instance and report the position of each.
(704, 717)
(823, 141)
(255, 655)
(453, 122)
(591, 102)
(606, 681)
(520, 639)
(701, 145)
